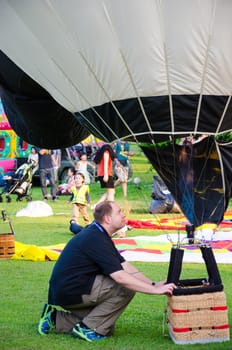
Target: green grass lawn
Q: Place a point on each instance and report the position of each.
(24, 284)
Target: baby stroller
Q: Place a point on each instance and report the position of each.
(20, 183)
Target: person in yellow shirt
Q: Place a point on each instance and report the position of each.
(80, 199)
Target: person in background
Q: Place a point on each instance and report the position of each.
(121, 167)
(117, 147)
(104, 158)
(34, 159)
(80, 199)
(162, 199)
(122, 172)
(92, 282)
(57, 157)
(33, 156)
(46, 171)
(82, 167)
(64, 189)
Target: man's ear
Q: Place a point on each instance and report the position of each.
(107, 219)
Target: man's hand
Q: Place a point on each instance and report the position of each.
(166, 289)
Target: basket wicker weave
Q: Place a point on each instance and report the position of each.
(7, 245)
(198, 318)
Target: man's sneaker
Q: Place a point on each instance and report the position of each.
(86, 333)
(46, 321)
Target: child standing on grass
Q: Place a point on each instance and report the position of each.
(80, 199)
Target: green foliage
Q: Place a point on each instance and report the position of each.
(24, 284)
(225, 137)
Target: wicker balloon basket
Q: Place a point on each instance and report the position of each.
(7, 245)
(197, 310)
(7, 242)
(200, 318)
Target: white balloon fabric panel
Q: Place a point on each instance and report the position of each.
(130, 68)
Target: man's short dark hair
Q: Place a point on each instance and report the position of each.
(102, 209)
